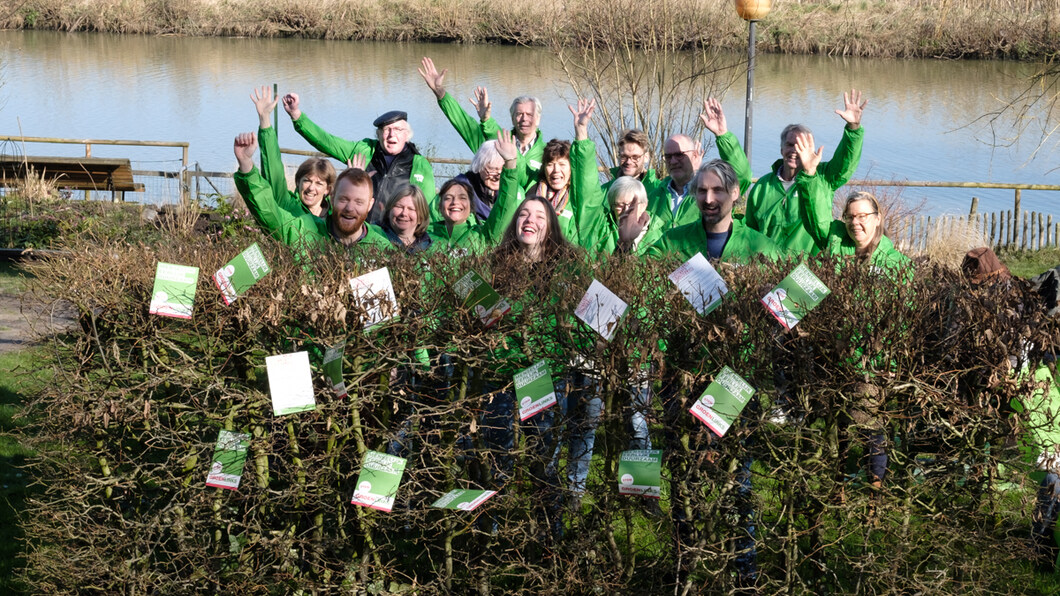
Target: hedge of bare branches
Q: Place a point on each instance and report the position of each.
(126, 433)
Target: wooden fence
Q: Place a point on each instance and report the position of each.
(1011, 229)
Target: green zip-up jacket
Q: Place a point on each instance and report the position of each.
(774, 210)
(300, 232)
(687, 211)
(475, 238)
(475, 133)
(744, 243)
(273, 172)
(597, 227)
(422, 174)
(649, 179)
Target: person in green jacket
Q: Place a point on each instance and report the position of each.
(716, 234)
(405, 219)
(526, 117)
(634, 157)
(457, 233)
(313, 179)
(771, 207)
(346, 224)
(672, 200)
(391, 157)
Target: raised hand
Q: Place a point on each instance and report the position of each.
(244, 147)
(807, 158)
(582, 115)
(853, 106)
(264, 103)
(435, 80)
(358, 161)
(713, 117)
(292, 105)
(631, 223)
(506, 147)
(481, 101)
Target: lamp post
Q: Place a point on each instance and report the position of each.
(751, 11)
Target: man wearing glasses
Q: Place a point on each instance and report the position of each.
(634, 157)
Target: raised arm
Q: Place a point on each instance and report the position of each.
(814, 195)
(844, 162)
(466, 126)
(713, 118)
(509, 196)
(255, 190)
(336, 147)
(271, 165)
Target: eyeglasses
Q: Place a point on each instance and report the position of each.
(490, 173)
(627, 157)
(858, 217)
(670, 156)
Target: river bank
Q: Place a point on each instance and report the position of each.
(1010, 29)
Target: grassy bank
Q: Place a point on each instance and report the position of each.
(1026, 29)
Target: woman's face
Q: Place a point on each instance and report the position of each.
(312, 189)
(862, 222)
(531, 224)
(557, 174)
(456, 204)
(626, 203)
(491, 176)
(403, 217)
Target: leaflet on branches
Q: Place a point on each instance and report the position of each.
(174, 291)
(290, 383)
(242, 272)
(475, 293)
(229, 456)
(799, 293)
(721, 404)
(640, 472)
(374, 293)
(463, 499)
(534, 391)
(333, 368)
(700, 283)
(378, 482)
(601, 310)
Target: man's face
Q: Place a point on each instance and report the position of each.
(350, 206)
(526, 120)
(788, 153)
(393, 137)
(715, 201)
(682, 158)
(632, 160)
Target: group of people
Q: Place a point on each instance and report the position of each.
(540, 201)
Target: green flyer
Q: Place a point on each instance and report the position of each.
(640, 472)
(378, 482)
(721, 404)
(228, 459)
(464, 499)
(797, 294)
(174, 291)
(333, 368)
(475, 293)
(290, 383)
(235, 278)
(534, 391)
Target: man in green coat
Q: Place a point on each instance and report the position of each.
(634, 157)
(391, 157)
(672, 200)
(525, 112)
(773, 205)
(352, 201)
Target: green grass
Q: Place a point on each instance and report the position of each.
(1029, 263)
(12, 279)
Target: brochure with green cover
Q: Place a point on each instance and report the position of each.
(290, 383)
(640, 472)
(235, 278)
(475, 293)
(721, 404)
(378, 482)
(700, 283)
(374, 292)
(799, 293)
(534, 391)
(464, 499)
(228, 458)
(333, 368)
(174, 291)
(601, 310)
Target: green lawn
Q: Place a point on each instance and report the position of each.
(1029, 263)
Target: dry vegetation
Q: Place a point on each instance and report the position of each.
(903, 28)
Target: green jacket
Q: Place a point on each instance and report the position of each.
(743, 245)
(597, 227)
(274, 173)
(649, 179)
(774, 210)
(422, 174)
(475, 133)
(476, 238)
(659, 201)
(301, 232)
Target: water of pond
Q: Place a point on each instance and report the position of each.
(921, 122)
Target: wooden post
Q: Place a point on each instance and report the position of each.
(975, 206)
(993, 230)
(1049, 228)
(1008, 230)
(1016, 215)
(1056, 234)
(927, 232)
(1023, 239)
(1041, 228)
(185, 177)
(88, 153)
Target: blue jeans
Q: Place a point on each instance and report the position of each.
(641, 400)
(581, 406)
(1043, 521)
